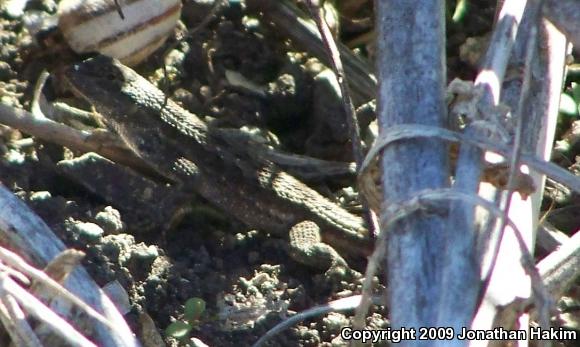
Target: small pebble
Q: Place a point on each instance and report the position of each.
(145, 254)
(110, 220)
(195, 342)
(88, 232)
(334, 322)
(5, 71)
(40, 196)
(14, 8)
(309, 337)
(339, 342)
(15, 157)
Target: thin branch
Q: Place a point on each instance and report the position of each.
(561, 268)
(317, 13)
(43, 313)
(15, 324)
(22, 230)
(101, 142)
(340, 305)
(41, 278)
(514, 159)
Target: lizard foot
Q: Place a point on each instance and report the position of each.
(306, 247)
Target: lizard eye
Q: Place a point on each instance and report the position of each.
(110, 76)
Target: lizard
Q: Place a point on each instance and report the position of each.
(196, 157)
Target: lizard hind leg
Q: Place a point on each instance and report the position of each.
(306, 247)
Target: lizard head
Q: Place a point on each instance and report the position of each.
(111, 87)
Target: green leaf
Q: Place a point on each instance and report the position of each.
(567, 105)
(178, 329)
(194, 308)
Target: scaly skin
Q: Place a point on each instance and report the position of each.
(181, 147)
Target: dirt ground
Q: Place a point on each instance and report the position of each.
(245, 277)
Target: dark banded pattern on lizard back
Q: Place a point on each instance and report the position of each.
(162, 133)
